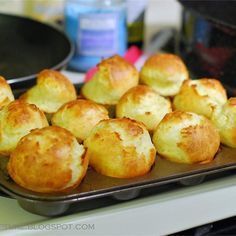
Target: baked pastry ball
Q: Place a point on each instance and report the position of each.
(16, 120)
(165, 73)
(79, 117)
(120, 148)
(143, 104)
(113, 78)
(48, 160)
(186, 137)
(6, 95)
(200, 96)
(51, 91)
(224, 118)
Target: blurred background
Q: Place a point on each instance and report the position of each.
(200, 32)
(158, 13)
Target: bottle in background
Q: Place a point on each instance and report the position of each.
(98, 30)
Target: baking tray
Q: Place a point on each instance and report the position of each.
(96, 186)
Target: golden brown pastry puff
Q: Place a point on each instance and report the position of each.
(224, 118)
(120, 148)
(6, 95)
(48, 160)
(165, 73)
(143, 104)
(79, 117)
(186, 137)
(113, 78)
(17, 119)
(201, 96)
(51, 91)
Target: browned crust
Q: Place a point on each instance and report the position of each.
(169, 63)
(56, 75)
(81, 106)
(117, 68)
(200, 142)
(129, 166)
(176, 117)
(56, 81)
(136, 93)
(207, 82)
(213, 83)
(44, 168)
(19, 112)
(105, 143)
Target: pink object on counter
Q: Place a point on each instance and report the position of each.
(132, 55)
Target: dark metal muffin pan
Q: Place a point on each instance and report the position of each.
(95, 185)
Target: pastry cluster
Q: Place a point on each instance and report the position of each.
(51, 136)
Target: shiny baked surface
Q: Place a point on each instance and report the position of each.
(186, 137)
(113, 78)
(48, 160)
(51, 91)
(165, 73)
(143, 104)
(201, 96)
(79, 117)
(120, 148)
(17, 119)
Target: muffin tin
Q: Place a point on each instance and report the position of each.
(95, 186)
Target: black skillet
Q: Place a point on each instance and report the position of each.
(27, 47)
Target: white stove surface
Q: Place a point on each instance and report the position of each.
(160, 214)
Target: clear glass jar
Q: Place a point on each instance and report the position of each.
(98, 30)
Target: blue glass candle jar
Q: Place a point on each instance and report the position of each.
(98, 30)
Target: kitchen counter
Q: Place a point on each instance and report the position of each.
(160, 214)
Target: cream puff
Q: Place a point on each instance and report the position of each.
(48, 160)
(120, 148)
(51, 91)
(16, 120)
(79, 117)
(201, 96)
(186, 137)
(165, 73)
(143, 104)
(113, 78)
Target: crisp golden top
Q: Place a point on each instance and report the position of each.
(51, 91)
(114, 77)
(186, 137)
(16, 120)
(165, 73)
(79, 117)
(169, 64)
(143, 104)
(120, 148)
(48, 160)
(201, 96)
